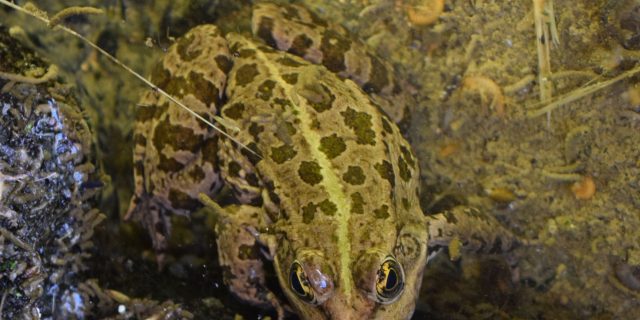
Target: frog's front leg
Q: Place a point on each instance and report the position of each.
(241, 253)
(468, 229)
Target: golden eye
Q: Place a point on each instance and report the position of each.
(300, 283)
(390, 281)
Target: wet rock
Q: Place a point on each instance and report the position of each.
(48, 175)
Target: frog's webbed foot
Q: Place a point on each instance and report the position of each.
(241, 253)
(470, 230)
(154, 220)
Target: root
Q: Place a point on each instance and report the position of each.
(566, 177)
(52, 72)
(72, 11)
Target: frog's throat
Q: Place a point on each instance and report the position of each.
(330, 181)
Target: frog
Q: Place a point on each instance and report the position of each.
(324, 186)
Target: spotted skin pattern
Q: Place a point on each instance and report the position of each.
(329, 192)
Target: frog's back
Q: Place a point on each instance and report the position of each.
(330, 157)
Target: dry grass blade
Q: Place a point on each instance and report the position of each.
(542, 45)
(42, 17)
(581, 92)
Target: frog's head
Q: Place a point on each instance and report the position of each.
(374, 282)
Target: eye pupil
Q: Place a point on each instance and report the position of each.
(296, 285)
(300, 284)
(392, 279)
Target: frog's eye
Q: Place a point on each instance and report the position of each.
(379, 275)
(390, 280)
(300, 283)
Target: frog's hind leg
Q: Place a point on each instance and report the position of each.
(174, 153)
(241, 254)
(296, 30)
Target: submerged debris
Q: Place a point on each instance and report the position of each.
(424, 12)
(621, 18)
(584, 189)
(47, 176)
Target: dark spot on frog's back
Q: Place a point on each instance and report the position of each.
(234, 111)
(139, 139)
(357, 203)
(145, 113)
(169, 164)
(408, 156)
(382, 212)
(334, 46)
(290, 13)
(224, 63)
(385, 170)
(327, 207)
(246, 53)
(265, 90)
(255, 130)
(252, 179)
(405, 174)
(245, 74)
(252, 153)
(354, 175)
(332, 146)
(283, 153)
(185, 50)
(204, 90)
(265, 28)
(289, 62)
(360, 123)
(210, 151)
(234, 168)
(308, 212)
(181, 200)
(300, 45)
(319, 96)
(181, 138)
(290, 78)
(309, 172)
